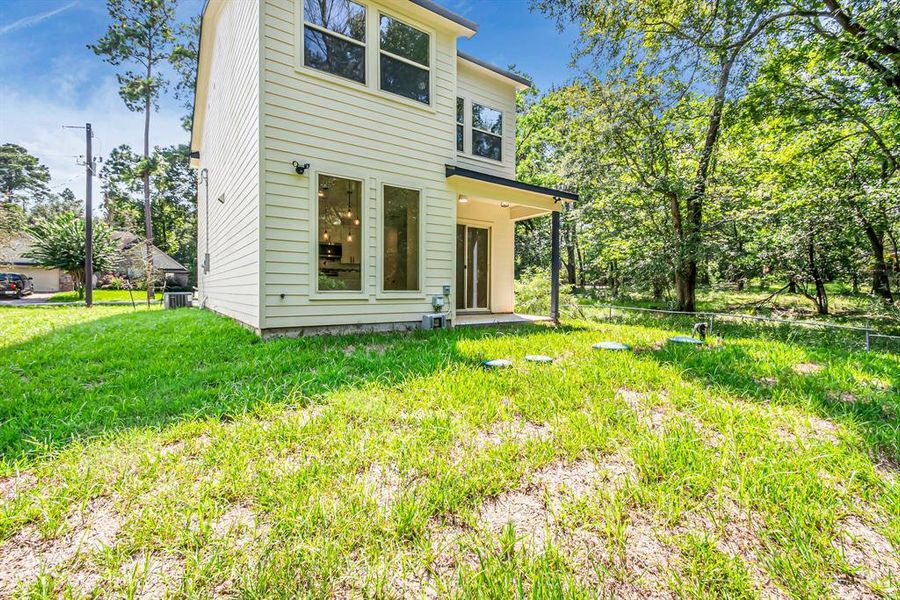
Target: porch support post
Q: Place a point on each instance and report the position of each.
(554, 266)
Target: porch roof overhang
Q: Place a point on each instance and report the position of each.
(485, 185)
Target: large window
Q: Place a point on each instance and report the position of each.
(401, 239)
(339, 234)
(460, 124)
(405, 57)
(334, 37)
(487, 132)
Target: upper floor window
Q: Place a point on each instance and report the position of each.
(487, 132)
(405, 54)
(334, 37)
(460, 124)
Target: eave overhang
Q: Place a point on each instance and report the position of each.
(499, 183)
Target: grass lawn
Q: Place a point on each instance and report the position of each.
(103, 296)
(150, 453)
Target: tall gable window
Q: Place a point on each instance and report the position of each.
(334, 37)
(405, 57)
(487, 132)
(460, 124)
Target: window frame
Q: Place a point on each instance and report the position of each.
(500, 136)
(429, 67)
(461, 123)
(364, 225)
(325, 31)
(418, 294)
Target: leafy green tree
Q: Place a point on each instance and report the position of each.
(184, 59)
(22, 176)
(60, 244)
(53, 205)
(140, 35)
(173, 198)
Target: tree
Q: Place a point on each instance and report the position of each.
(695, 46)
(141, 35)
(173, 198)
(59, 243)
(22, 176)
(184, 60)
(54, 205)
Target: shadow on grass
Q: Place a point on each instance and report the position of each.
(151, 368)
(862, 388)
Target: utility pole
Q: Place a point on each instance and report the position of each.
(89, 168)
(88, 220)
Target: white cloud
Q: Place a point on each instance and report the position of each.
(36, 121)
(33, 20)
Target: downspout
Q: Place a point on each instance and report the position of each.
(204, 179)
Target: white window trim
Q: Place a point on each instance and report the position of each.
(373, 64)
(486, 132)
(458, 123)
(365, 45)
(418, 294)
(431, 58)
(315, 293)
(478, 224)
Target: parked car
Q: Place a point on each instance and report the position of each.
(16, 284)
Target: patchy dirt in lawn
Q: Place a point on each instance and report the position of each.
(155, 574)
(12, 486)
(806, 368)
(651, 417)
(639, 569)
(383, 484)
(351, 349)
(871, 554)
(518, 430)
(27, 554)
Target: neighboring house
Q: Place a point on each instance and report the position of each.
(13, 260)
(410, 192)
(132, 253)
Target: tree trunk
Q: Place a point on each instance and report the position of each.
(686, 275)
(792, 284)
(148, 217)
(821, 298)
(881, 283)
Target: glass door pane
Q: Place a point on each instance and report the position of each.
(460, 267)
(477, 260)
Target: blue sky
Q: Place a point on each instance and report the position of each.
(49, 78)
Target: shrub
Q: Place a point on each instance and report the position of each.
(533, 294)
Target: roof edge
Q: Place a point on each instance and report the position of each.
(447, 14)
(498, 70)
(453, 170)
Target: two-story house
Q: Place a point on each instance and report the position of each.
(356, 169)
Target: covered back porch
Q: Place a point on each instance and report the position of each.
(488, 207)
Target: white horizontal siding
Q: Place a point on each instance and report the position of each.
(476, 86)
(343, 130)
(230, 152)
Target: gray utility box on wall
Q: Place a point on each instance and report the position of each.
(435, 321)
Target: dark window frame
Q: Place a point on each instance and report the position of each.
(412, 63)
